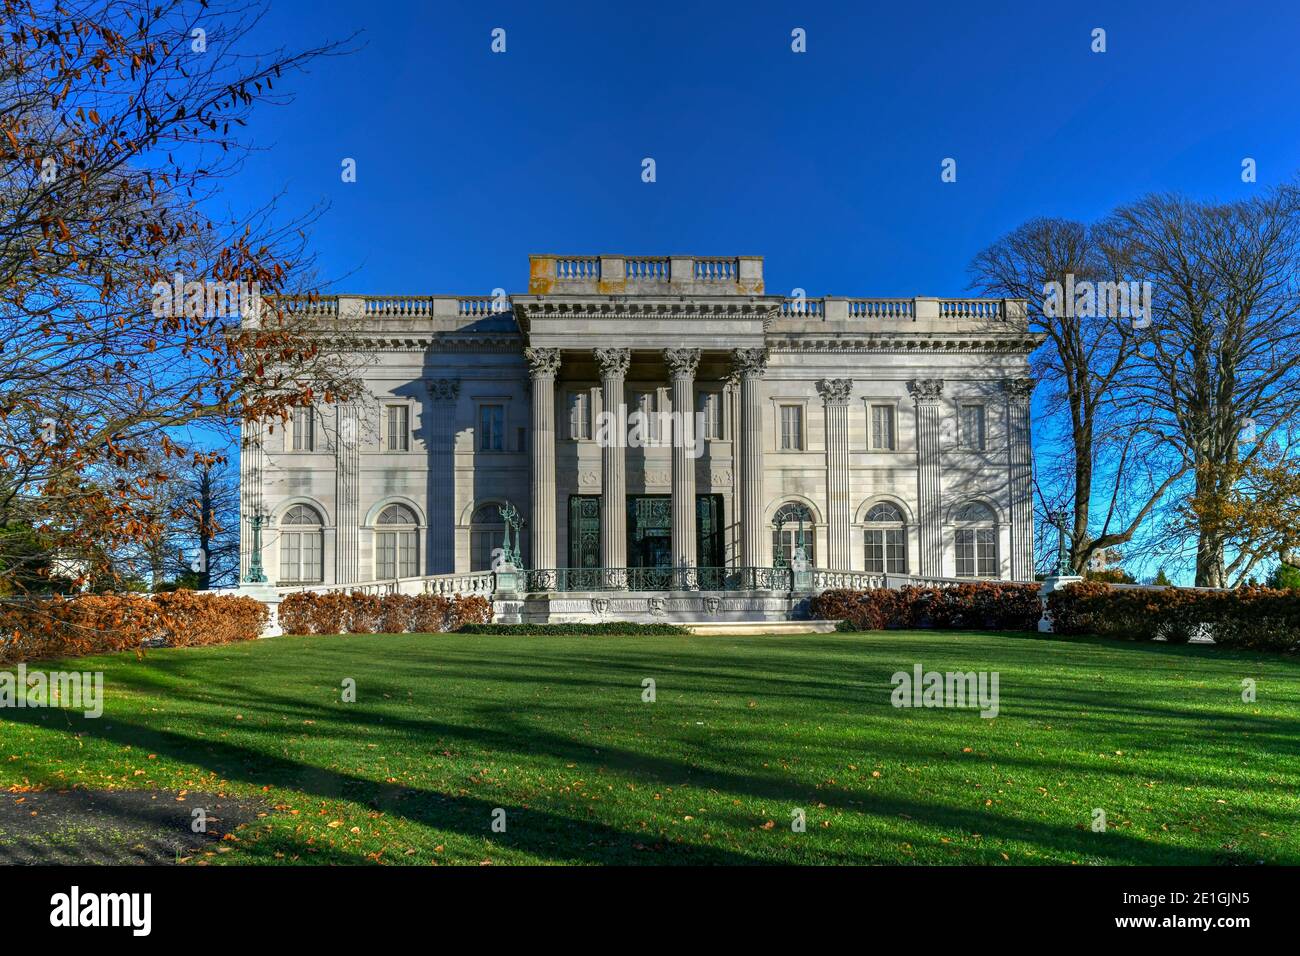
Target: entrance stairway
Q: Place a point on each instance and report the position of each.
(746, 628)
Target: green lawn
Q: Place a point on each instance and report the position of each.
(744, 730)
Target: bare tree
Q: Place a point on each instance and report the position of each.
(1219, 367)
(120, 298)
(1093, 463)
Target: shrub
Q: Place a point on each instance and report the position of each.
(1254, 618)
(603, 629)
(100, 623)
(341, 612)
(987, 605)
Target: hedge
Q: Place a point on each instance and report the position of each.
(604, 629)
(994, 606)
(1254, 618)
(40, 629)
(340, 612)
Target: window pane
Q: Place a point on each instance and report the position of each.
(399, 428)
(876, 552)
(289, 556)
(896, 550)
(972, 427)
(965, 554)
(481, 544)
(408, 567)
(386, 555)
(882, 427)
(987, 544)
(304, 424)
(791, 427)
(491, 426)
(312, 565)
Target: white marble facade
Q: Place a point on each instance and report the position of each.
(836, 404)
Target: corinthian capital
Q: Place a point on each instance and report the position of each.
(1020, 388)
(835, 391)
(442, 389)
(749, 363)
(613, 362)
(925, 389)
(682, 361)
(542, 362)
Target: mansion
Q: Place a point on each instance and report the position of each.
(846, 436)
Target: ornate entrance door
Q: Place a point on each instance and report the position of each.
(584, 542)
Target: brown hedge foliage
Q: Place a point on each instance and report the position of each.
(75, 626)
(1254, 618)
(985, 605)
(339, 612)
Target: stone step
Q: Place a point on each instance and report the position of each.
(744, 628)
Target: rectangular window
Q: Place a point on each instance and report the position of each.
(481, 546)
(709, 404)
(882, 428)
(977, 553)
(647, 403)
(786, 541)
(304, 429)
(399, 428)
(792, 428)
(300, 557)
(491, 427)
(971, 425)
(395, 555)
(886, 551)
(580, 416)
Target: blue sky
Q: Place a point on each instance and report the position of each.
(827, 163)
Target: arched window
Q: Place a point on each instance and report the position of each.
(397, 548)
(793, 528)
(486, 530)
(886, 539)
(976, 541)
(301, 546)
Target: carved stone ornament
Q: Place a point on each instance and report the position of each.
(542, 361)
(613, 362)
(443, 389)
(1020, 388)
(835, 391)
(682, 361)
(926, 389)
(749, 362)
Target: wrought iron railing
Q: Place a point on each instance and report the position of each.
(659, 579)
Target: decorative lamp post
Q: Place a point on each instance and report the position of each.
(256, 574)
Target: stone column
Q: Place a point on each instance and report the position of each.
(682, 364)
(928, 395)
(347, 496)
(613, 364)
(835, 394)
(1020, 477)
(750, 365)
(443, 393)
(543, 365)
(251, 501)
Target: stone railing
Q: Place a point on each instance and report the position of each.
(881, 308)
(645, 275)
(828, 580)
(448, 585)
(890, 310)
(658, 579)
(394, 306)
(971, 309)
